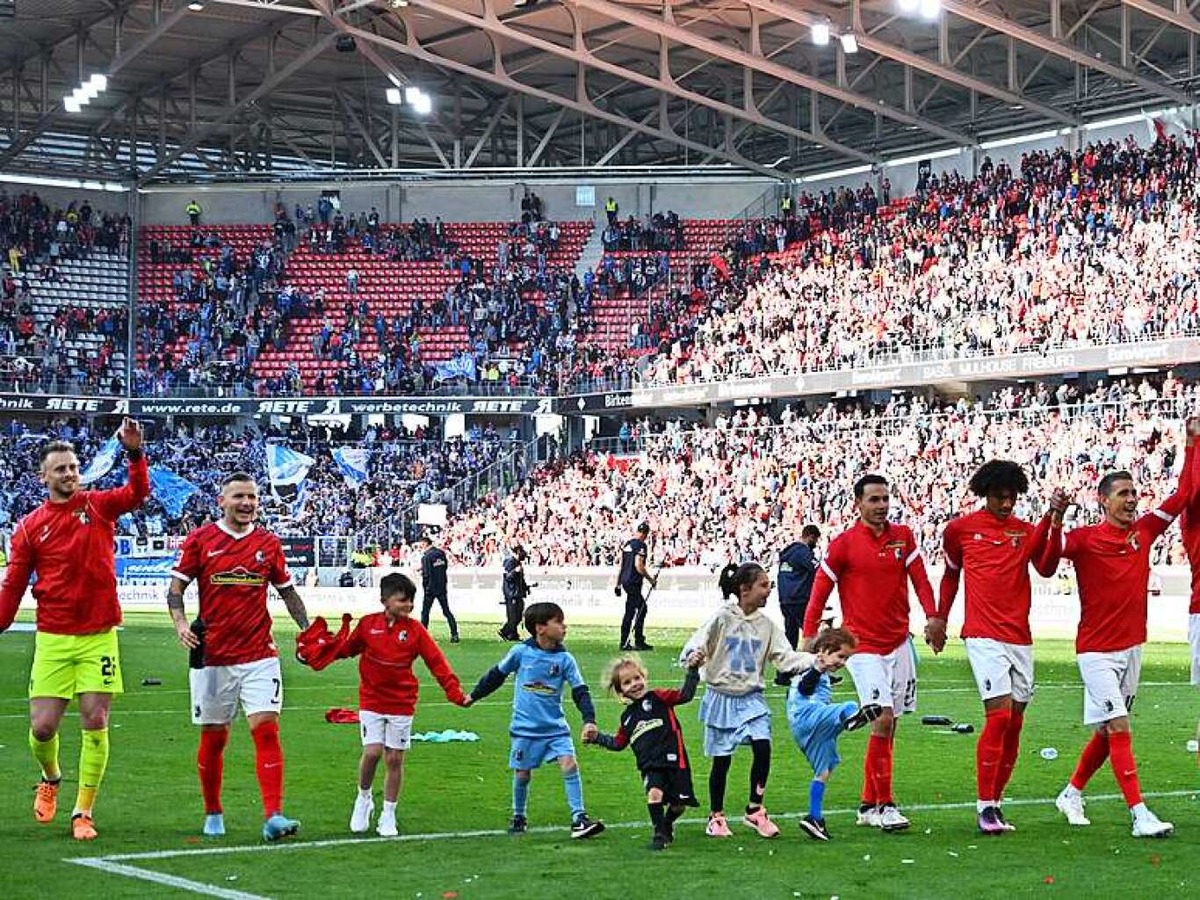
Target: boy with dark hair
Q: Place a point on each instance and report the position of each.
(539, 727)
(387, 644)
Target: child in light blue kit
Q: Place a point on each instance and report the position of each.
(539, 729)
(816, 721)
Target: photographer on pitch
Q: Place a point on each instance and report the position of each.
(632, 575)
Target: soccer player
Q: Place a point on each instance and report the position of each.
(433, 584)
(538, 728)
(232, 561)
(68, 543)
(649, 724)
(1112, 565)
(994, 549)
(632, 575)
(871, 564)
(387, 644)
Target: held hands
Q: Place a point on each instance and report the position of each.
(468, 701)
(130, 434)
(590, 733)
(695, 659)
(187, 637)
(935, 634)
(1059, 501)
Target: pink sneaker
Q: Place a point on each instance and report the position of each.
(717, 826)
(760, 822)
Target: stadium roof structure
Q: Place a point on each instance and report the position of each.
(269, 87)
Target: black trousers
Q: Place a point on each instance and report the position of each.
(427, 605)
(793, 621)
(514, 609)
(635, 616)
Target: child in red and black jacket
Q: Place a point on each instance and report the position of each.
(650, 726)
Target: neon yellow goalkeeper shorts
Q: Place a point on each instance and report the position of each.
(68, 664)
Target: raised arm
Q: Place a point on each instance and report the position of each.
(133, 493)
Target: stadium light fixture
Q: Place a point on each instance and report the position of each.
(70, 104)
(930, 9)
(423, 105)
(849, 42)
(394, 97)
(820, 33)
(99, 82)
(411, 93)
(195, 7)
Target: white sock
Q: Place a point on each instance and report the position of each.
(1071, 791)
(365, 793)
(1138, 810)
(981, 805)
(389, 809)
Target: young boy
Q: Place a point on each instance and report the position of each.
(816, 721)
(387, 644)
(539, 727)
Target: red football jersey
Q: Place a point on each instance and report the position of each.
(1189, 524)
(871, 573)
(1112, 566)
(386, 652)
(995, 554)
(70, 547)
(232, 572)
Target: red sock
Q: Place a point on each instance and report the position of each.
(989, 751)
(1012, 747)
(1090, 760)
(1120, 755)
(268, 765)
(882, 774)
(210, 763)
(869, 794)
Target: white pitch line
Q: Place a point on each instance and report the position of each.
(184, 884)
(548, 829)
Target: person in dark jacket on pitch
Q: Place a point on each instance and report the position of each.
(516, 589)
(433, 584)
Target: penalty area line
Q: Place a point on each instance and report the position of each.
(160, 878)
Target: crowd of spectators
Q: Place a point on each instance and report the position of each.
(41, 353)
(1067, 249)
(745, 486)
(405, 468)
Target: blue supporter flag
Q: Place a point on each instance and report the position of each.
(170, 490)
(102, 463)
(352, 462)
(287, 470)
(461, 366)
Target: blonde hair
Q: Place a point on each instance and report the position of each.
(612, 673)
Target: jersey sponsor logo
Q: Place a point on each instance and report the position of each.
(377, 631)
(239, 576)
(644, 726)
(540, 687)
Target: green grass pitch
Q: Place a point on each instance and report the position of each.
(455, 802)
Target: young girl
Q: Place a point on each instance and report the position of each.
(737, 643)
(816, 721)
(649, 724)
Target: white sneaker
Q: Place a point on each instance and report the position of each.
(1070, 804)
(891, 819)
(387, 826)
(868, 817)
(1151, 826)
(360, 819)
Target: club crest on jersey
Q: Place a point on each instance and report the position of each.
(1133, 541)
(555, 670)
(897, 549)
(402, 636)
(647, 705)
(258, 556)
(82, 516)
(1014, 537)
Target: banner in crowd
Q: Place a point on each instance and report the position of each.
(352, 462)
(144, 568)
(300, 552)
(102, 462)
(287, 470)
(327, 406)
(171, 490)
(461, 366)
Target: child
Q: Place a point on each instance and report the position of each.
(649, 724)
(737, 642)
(387, 643)
(539, 728)
(816, 721)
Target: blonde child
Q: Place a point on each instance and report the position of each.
(649, 725)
